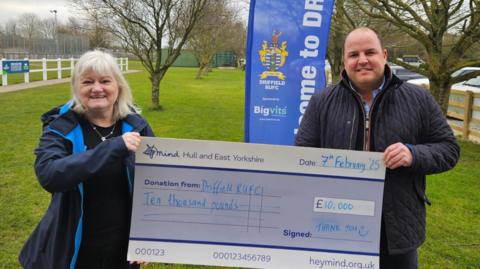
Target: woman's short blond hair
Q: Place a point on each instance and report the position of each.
(103, 64)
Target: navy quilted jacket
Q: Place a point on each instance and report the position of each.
(401, 112)
(62, 164)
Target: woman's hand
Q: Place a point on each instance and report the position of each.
(132, 140)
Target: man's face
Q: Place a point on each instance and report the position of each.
(364, 59)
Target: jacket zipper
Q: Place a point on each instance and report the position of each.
(366, 123)
(366, 142)
(352, 128)
(368, 129)
(367, 117)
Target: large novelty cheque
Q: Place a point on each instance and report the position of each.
(257, 206)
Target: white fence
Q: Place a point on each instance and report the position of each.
(464, 111)
(122, 62)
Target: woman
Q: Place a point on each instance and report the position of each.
(86, 159)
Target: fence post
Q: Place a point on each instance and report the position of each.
(467, 113)
(120, 63)
(4, 75)
(72, 65)
(26, 75)
(126, 64)
(44, 68)
(59, 68)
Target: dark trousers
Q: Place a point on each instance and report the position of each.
(104, 258)
(407, 260)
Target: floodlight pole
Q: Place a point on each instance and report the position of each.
(54, 11)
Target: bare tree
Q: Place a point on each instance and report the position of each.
(346, 17)
(11, 32)
(98, 35)
(341, 24)
(47, 28)
(146, 26)
(11, 27)
(212, 34)
(93, 27)
(238, 40)
(74, 25)
(430, 23)
(29, 24)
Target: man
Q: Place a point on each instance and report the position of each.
(371, 109)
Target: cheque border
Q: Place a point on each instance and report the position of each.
(316, 176)
(261, 172)
(252, 245)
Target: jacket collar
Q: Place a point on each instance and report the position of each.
(61, 119)
(137, 122)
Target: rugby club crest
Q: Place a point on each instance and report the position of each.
(273, 57)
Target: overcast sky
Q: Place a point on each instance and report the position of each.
(12, 9)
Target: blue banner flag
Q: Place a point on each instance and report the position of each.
(286, 47)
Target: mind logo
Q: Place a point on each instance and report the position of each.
(150, 151)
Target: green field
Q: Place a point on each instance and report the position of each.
(212, 109)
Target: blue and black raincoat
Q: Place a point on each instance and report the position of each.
(61, 166)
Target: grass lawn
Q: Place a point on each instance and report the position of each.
(210, 108)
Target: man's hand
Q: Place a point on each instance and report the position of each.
(139, 262)
(397, 155)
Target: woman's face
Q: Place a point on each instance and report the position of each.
(97, 93)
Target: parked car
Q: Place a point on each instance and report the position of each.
(328, 73)
(472, 85)
(457, 96)
(424, 82)
(411, 59)
(404, 74)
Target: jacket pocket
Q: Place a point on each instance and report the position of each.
(45, 228)
(45, 236)
(33, 253)
(419, 186)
